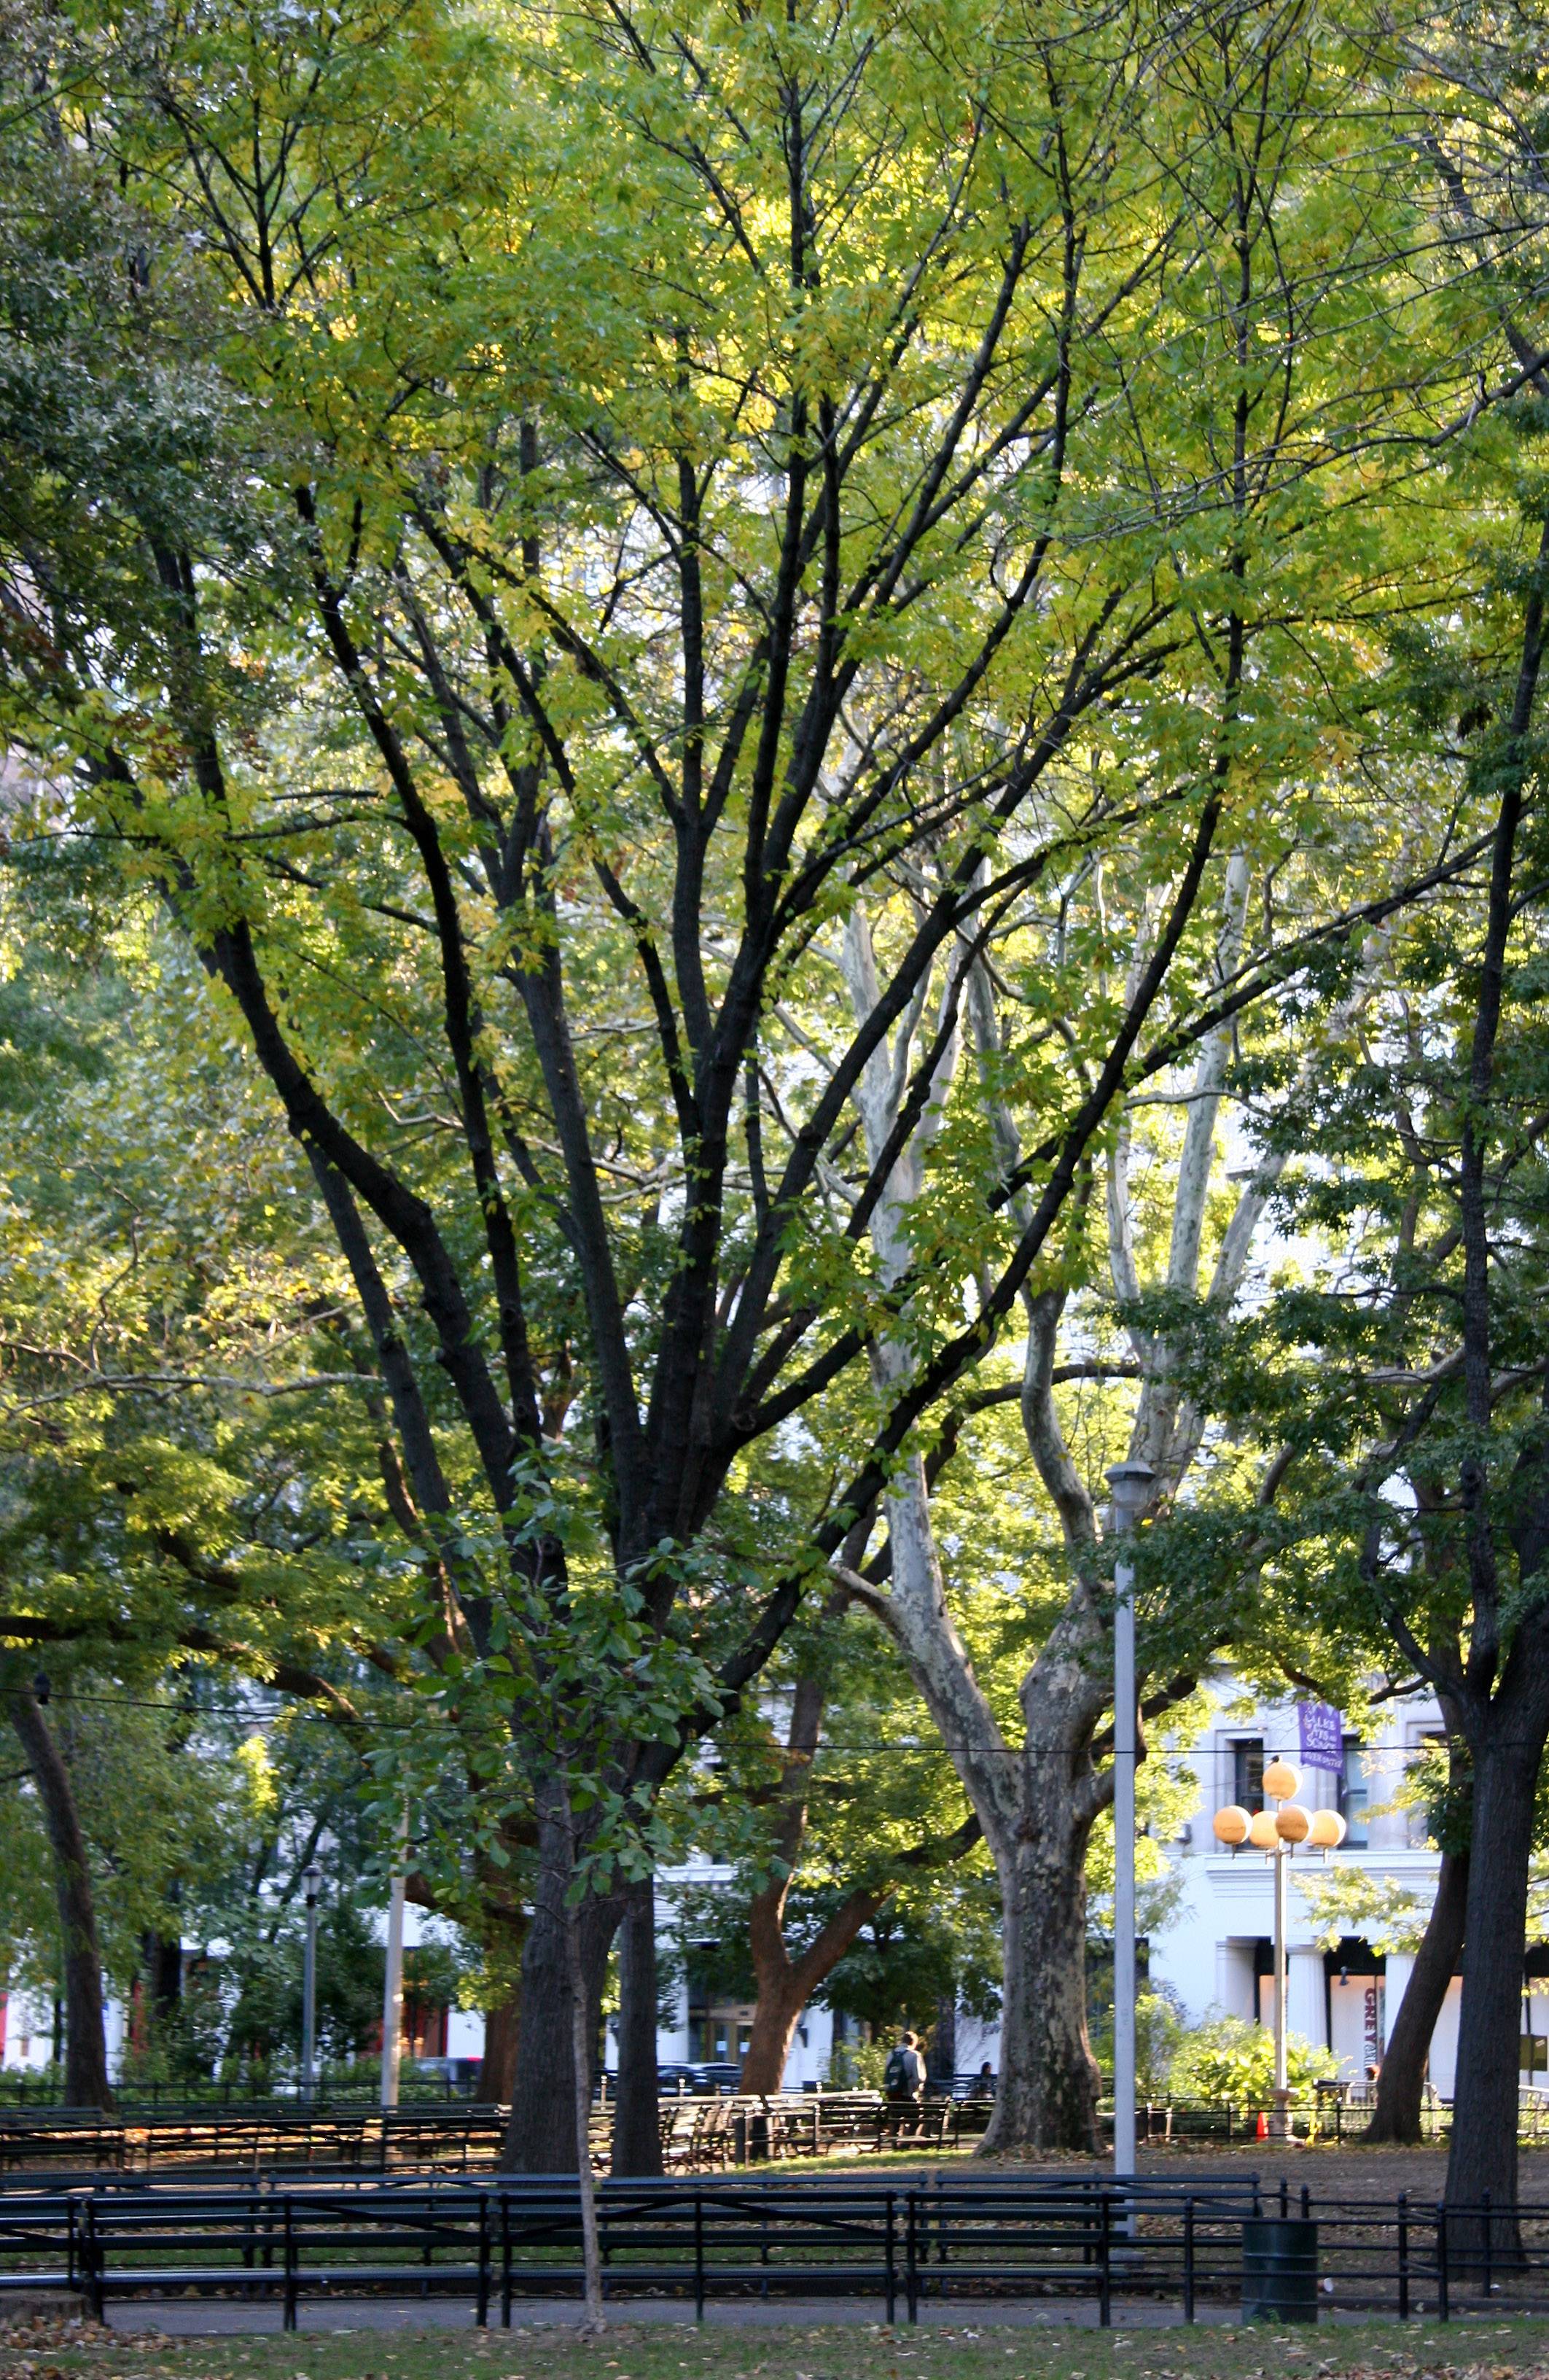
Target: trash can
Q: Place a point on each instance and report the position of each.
(1280, 2269)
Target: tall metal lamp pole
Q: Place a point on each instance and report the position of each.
(1134, 1484)
(311, 1877)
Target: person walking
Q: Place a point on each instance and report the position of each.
(903, 2077)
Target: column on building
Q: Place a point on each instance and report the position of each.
(1401, 1967)
(1235, 1994)
(1306, 2010)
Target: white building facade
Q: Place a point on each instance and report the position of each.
(1217, 1954)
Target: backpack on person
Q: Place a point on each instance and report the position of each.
(898, 2079)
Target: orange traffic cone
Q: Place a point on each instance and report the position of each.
(1263, 2131)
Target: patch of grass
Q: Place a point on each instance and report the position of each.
(1483, 2349)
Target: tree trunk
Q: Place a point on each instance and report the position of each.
(164, 1977)
(86, 2082)
(776, 2014)
(1486, 2094)
(1047, 2096)
(502, 1926)
(501, 2031)
(786, 1985)
(1401, 2081)
(943, 2044)
(780, 1994)
(637, 2119)
(541, 2137)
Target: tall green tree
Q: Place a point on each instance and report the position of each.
(513, 536)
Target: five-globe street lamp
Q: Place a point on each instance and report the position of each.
(1278, 1832)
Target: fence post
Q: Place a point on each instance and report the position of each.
(1444, 2292)
(698, 2257)
(912, 2257)
(892, 2277)
(1188, 2260)
(1403, 2255)
(289, 2318)
(1489, 2243)
(482, 2312)
(1105, 2263)
(69, 2243)
(505, 2262)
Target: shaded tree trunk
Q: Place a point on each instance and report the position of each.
(164, 1973)
(504, 1928)
(1401, 2081)
(1485, 2093)
(943, 2044)
(1502, 1696)
(501, 2029)
(161, 1964)
(541, 2137)
(86, 2082)
(637, 2118)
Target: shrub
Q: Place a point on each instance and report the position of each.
(1231, 2058)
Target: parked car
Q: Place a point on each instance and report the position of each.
(719, 2079)
(676, 2081)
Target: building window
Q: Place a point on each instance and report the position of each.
(1432, 1740)
(1247, 1772)
(1353, 1793)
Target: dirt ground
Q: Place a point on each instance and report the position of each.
(1333, 2171)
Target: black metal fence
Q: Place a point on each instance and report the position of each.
(934, 2239)
(700, 2132)
(245, 2093)
(703, 2135)
(402, 2140)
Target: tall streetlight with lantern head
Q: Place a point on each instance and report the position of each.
(1279, 1832)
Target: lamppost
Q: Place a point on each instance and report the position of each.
(1132, 1485)
(1277, 1832)
(311, 1877)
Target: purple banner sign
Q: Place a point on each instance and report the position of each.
(1321, 1729)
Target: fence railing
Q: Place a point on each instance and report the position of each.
(1323, 2117)
(698, 2134)
(936, 2240)
(384, 2141)
(241, 2095)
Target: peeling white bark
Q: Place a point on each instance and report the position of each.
(1037, 1801)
